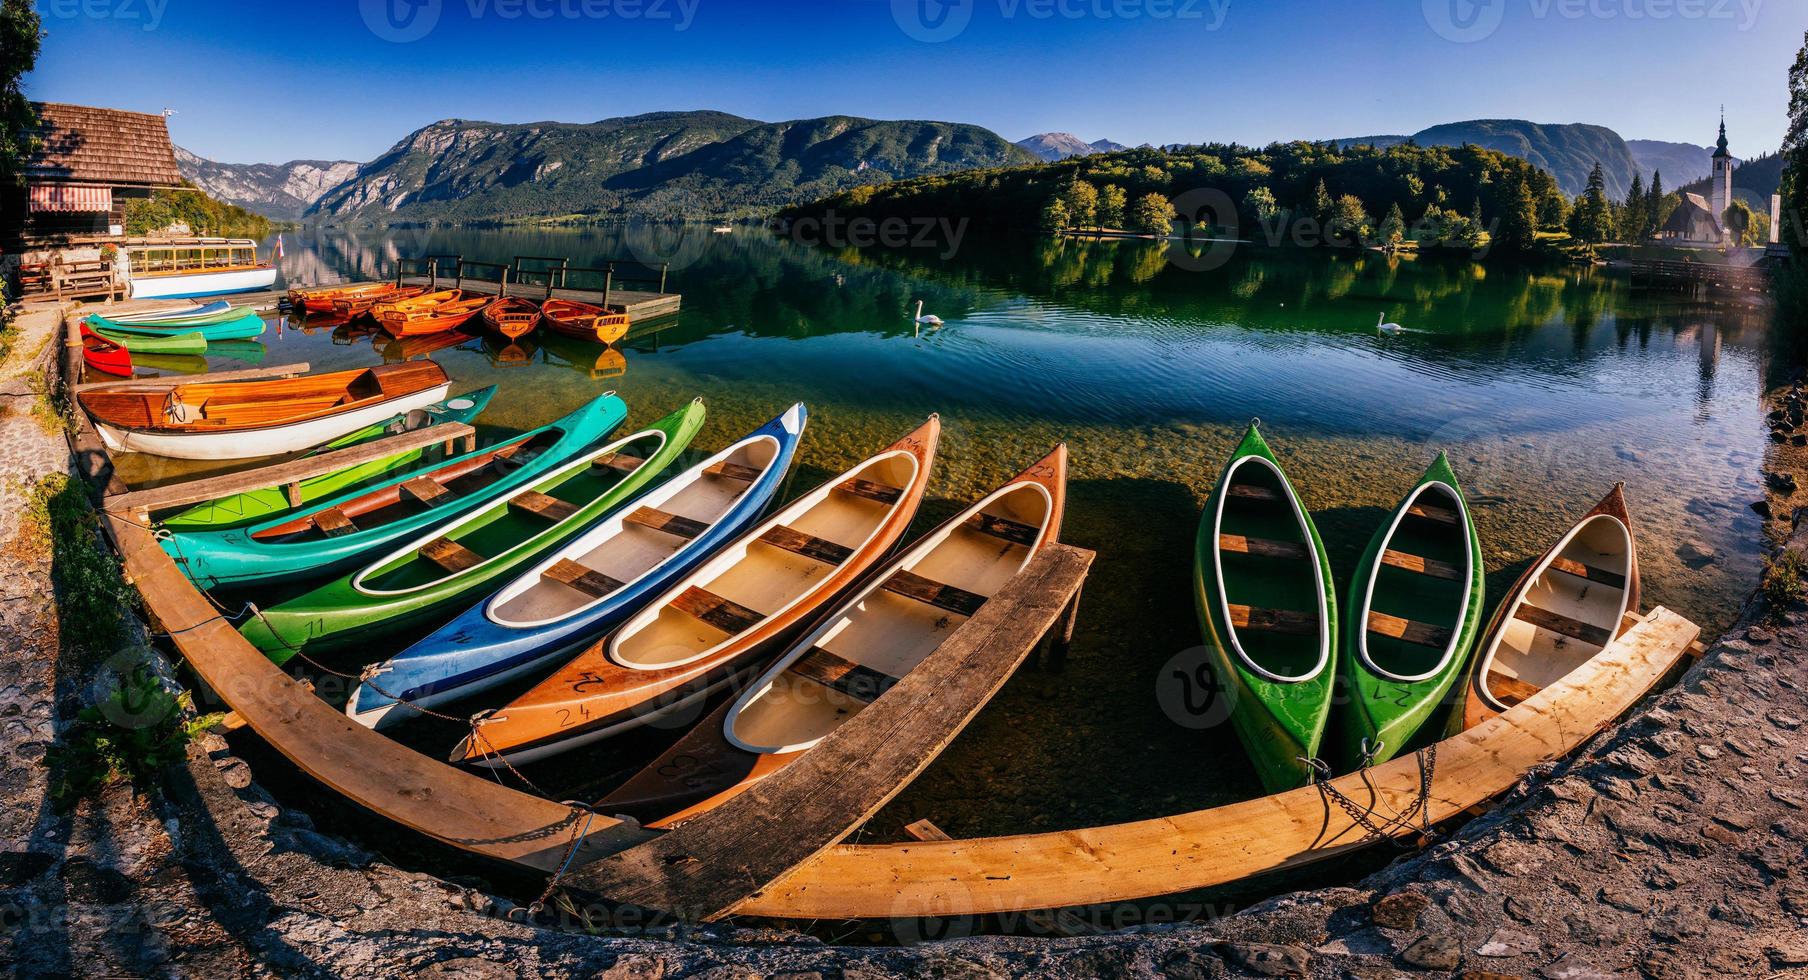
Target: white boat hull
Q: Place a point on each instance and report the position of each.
(203, 284)
(272, 441)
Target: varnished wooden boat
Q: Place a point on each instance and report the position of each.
(584, 321)
(849, 659)
(431, 314)
(104, 355)
(512, 316)
(246, 419)
(1569, 604)
(362, 305)
(319, 299)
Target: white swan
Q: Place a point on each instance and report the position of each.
(928, 321)
(1382, 326)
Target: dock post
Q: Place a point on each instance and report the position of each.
(663, 267)
(1064, 627)
(608, 281)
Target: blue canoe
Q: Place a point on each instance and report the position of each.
(243, 328)
(556, 607)
(334, 534)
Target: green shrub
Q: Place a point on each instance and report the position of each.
(91, 595)
(1786, 579)
(137, 732)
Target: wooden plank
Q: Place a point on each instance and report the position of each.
(152, 384)
(799, 543)
(1434, 513)
(940, 595)
(1422, 634)
(1562, 625)
(582, 578)
(1060, 921)
(1165, 855)
(871, 490)
(734, 471)
(1290, 622)
(427, 490)
(1261, 547)
(1570, 566)
(333, 522)
(1423, 565)
(1004, 527)
(450, 555)
(279, 474)
(832, 670)
(467, 811)
(720, 612)
(619, 461)
(543, 506)
(672, 524)
(722, 858)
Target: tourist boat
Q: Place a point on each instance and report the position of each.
(1562, 612)
(849, 659)
(512, 316)
(431, 314)
(1262, 587)
(255, 505)
(465, 558)
(187, 342)
(248, 419)
(320, 299)
(1412, 615)
(575, 593)
(584, 321)
(243, 327)
(185, 268)
(104, 355)
(362, 304)
(335, 534)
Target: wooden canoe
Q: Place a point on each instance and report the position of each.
(584, 321)
(362, 304)
(1414, 610)
(430, 315)
(104, 355)
(512, 316)
(898, 619)
(1567, 606)
(1262, 588)
(246, 419)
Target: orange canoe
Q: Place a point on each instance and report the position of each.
(433, 313)
(512, 316)
(898, 619)
(724, 618)
(584, 321)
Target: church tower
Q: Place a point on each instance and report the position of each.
(1721, 191)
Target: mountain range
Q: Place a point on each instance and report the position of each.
(283, 191)
(1059, 146)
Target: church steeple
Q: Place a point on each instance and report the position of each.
(1722, 150)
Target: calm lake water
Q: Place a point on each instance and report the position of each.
(1544, 387)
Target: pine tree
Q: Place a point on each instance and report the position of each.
(1519, 223)
(1654, 208)
(1593, 222)
(1323, 208)
(1795, 153)
(1632, 216)
(1393, 227)
(20, 34)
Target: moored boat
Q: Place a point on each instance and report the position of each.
(512, 316)
(1262, 586)
(584, 321)
(319, 299)
(184, 268)
(104, 355)
(431, 314)
(1568, 606)
(1413, 612)
(248, 419)
(898, 619)
(188, 342)
(241, 327)
(461, 560)
(360, 305)
(189, 309)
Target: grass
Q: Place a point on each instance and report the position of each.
(139, 730)
(1785, 580)
(91, 595)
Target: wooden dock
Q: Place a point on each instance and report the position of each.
(624, 286)
(1703, 276)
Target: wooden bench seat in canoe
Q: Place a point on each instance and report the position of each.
(871, 490)
(1569, 566)
(427, 490)
(938, 594)
(1251, 491)
(1422, 634)
(1261, 547)
(587, 580)
(618, 461)
(1005, 528)
(721, 612)
(1422, 565)
(1562, 625)
(450, 555)
(547, 508)
(1510, 690)
(833, 671)
(1433, 513)
(1288, 622)
(734, 471)
(673, 524)
(809, 546)
(333, 522)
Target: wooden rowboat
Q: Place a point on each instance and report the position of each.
(584, 321)
(848, 660)
(1414, 609)
(1565, 608)
(1262, 587)
(246, 419)
(363, 304)
(432, 314)
(319, 299)
(104, 355)
(512, 316)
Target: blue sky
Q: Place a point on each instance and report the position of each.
(266, 82)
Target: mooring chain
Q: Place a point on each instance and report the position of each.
(578, 833)
(1376, 825)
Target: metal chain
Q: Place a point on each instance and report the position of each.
(1375, 825)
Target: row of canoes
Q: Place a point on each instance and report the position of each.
(108, 343)
(569, 554)
(410, 311)
(1389, 668)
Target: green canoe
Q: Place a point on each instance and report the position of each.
(191, 342)
(244, 327)
(1263, 590)
(1415, 608)
(255, 505)
(227, 315)
(453, 564)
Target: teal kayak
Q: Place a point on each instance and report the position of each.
(189, 342)
(254, 505)
(329, 536)
(452, 564)
(242, 328)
